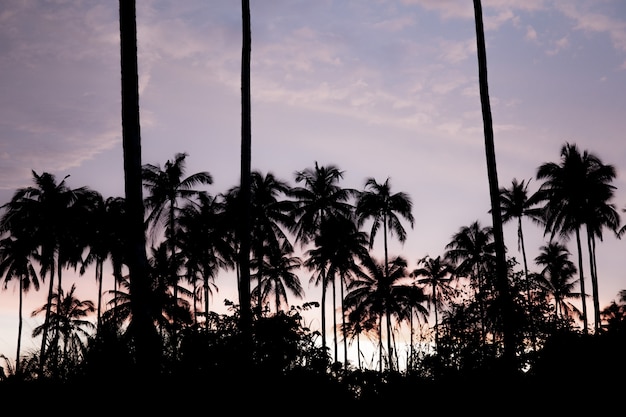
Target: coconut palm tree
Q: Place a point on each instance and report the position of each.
(435, 276)
(207, 245)
(103, 236)
(278, 277)
(69, 319)
(16, 261)
(318, 199)
(472, 250)
(272, 216)
(338, 247)
(557, 278)
(167, 187)
(516, 203)
(49, 214)
(166, 312)
(146, 338)
(378, 291)
(577, 192)
(377, 203)
(502, 283)
(244, 224)
(416, 298)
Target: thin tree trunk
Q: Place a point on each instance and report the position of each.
(594, 282)
(44, 335)
(244, 193)
(99, 264)
(324, 312)
(581, 274)
(343, 326)
(335, 318)
(143, 330)
(494, 192)
(19, 328)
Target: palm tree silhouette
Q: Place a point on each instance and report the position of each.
(48, 214)
(243, 206)
(278, 277)
(435, 274)
(319, 199)
(148, 347)
(71, 327)
(271, 216)
(338, 246)
(378, 291)
(384, 208)
(576, 192)
(166, 187)
(502, 284)
(472, 251)
(16, 261)
(557, 278)
(516, 203)
(207, 244)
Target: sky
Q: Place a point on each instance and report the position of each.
(380, 88)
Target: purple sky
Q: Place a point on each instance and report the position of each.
(385, 88)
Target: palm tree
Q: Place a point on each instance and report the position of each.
(243, 232)
(166, 187)
(319, 199)
(278, 277)
(338, 246)
(576, 192)
(385, 208)
(378, 291)
(557, 277)
(206, 243)
(165, 310)
(271, 217)
(472, 251)
(515, 203)
(502, 283)
(148, 348)
(436, 274)
(48, 213)
(72, 328)
(16, 261)
(103, 236)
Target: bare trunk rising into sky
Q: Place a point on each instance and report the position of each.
(494, 193)
(244, 194)
(142, 328)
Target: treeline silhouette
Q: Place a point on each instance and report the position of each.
(448, 304)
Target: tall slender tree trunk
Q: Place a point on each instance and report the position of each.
(343, 323)
(594, 281)
(583, 294)
(244, 192)
(19, 328)
(143, 330)
(494, 193)
(44, 335)
(333, 283)
(99, 265)
(324, 284)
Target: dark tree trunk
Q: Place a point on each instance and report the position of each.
(142, 327)
(494, 193)
(244, 192)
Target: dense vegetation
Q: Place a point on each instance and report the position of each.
(448, 304)
(459, 309)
